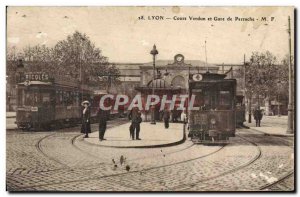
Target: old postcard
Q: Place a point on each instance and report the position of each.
(147, 99)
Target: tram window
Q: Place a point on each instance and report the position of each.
(31, 98)
(224, 99)
(198, 97)
(207, 100)
(59, 97)
(45, 98)
(28, 98)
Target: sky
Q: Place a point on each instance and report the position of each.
(124, 38)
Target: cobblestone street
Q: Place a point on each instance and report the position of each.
(63, 161)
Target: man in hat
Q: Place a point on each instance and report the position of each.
(102, 117)
(135, 117)
(86, 119)
(166, 117)
(137, 125)
(258, 116)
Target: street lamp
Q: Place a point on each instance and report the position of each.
(250, 99)
(153, 52)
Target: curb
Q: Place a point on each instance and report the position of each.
(276, 135)
(142, 146)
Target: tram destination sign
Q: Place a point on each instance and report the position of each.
(37, 76)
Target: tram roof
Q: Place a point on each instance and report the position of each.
(35, 83)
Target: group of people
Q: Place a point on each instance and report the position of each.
(86, 121)
(134, 116)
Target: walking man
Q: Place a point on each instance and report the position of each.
(166, 117)
(137, 126)
(258, 116)
(102, 117)
(133, 116)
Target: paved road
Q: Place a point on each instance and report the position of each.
(56, 161)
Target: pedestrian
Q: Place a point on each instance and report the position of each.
(183, 117)
(132, 116)
(166, 117)
(258, 117)
(137, 125)
(86, 116)
(102, 117)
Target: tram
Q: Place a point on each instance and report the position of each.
(45, 103)
(215, 98)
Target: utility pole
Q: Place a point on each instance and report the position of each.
(206, 58)
(244, 81)
(244, 76)
(290, 125)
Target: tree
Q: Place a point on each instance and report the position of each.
(79, 57)
(75, 57)
(39, 58)
(263, 74)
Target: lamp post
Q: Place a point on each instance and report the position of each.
(153, 52)
(249, 100)
(290, 128)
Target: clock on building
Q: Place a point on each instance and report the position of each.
(179, 58)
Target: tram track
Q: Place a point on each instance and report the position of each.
(258, 156)
(280, 180)
(254, 159)
(38, 146)
(185, 186)
(148, 169)
(130, 172)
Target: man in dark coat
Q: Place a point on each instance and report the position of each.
(137, 126)
(102, 117)
(258, 116)
(166, 117)
(135, 117)
(86, 119)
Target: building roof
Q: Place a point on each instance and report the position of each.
(193, 63)
(158, 63)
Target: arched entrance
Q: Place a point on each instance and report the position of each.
(179, 81)
(161, 87)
